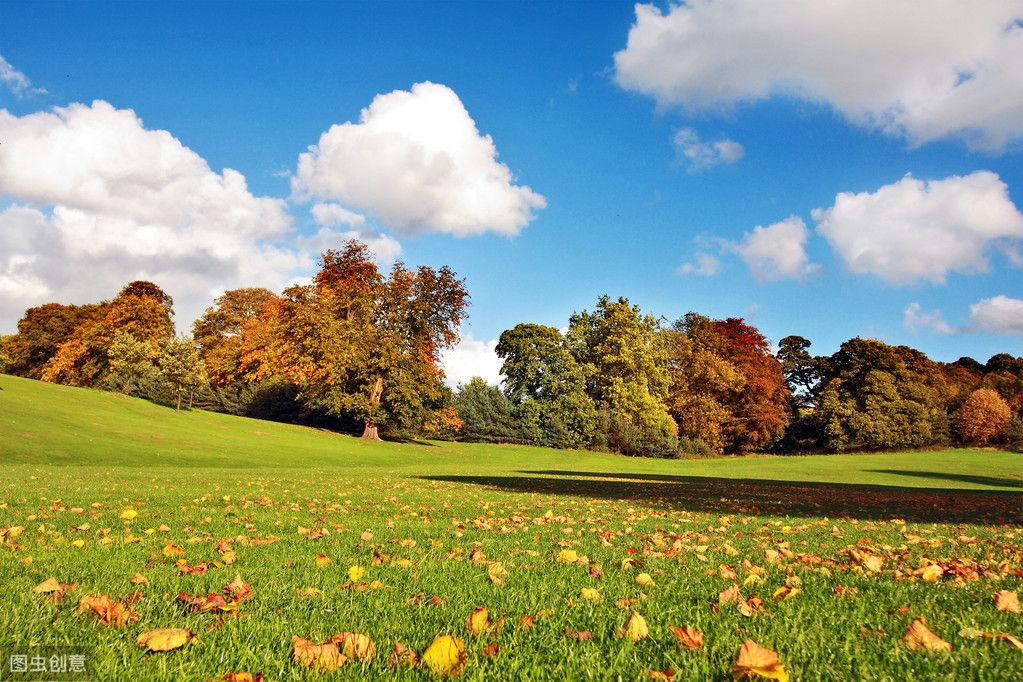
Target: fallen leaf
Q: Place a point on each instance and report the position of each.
(355, 573)
(1006, 637)
(491, 649)
(139, 579)
(129, 514)
(446, 656)
(755, 660)
(322, 560)
(355, 646)
(918, 636)
(110, 612)
(241, 677)
(402, 657)
(321, 657)
(785, 592)
(479, 621)
(496, 572)
(591, 595)
(687, 637)
(635, 629)
(1007, 601)
(567, 556)
(581, 635)
(645, 580)
(667, 674)
(164, 639)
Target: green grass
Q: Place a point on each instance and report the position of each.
(72, 457)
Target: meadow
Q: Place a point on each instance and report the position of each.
(825, 560)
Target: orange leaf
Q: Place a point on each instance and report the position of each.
(321, 657)
(688, 637)
(1007, 601)
(918, 636)
(402, 656)
(755, 660)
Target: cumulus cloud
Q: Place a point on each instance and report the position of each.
(15, 81)
(704, 265)
(998, 315)
(921, 70)
(771, 253)
(472, 358)
(777, 251)
(96, 200)
(416, 163)
(914, 230)
(915, 319)
(698, 155)
(332, 215)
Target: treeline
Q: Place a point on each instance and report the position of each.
(360, 349)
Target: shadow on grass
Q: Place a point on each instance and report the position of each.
(963, 478)
(768, 497)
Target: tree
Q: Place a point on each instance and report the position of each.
(132, 369)
(360, 344)
(877, 396)
(83, 359)
(623, 358)
(802, 371)
(983, 418)
(141, 288)
(547, 386)
(182, 367)
(42, 330)
(218, 332)
(486, 414)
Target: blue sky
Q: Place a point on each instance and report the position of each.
(251, 86)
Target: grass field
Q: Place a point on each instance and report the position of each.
(425, 520)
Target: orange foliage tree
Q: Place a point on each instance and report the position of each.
(983, 417)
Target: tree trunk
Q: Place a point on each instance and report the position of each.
(191, 394)
(178, 408)
(371, 432)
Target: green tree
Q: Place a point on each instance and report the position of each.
(486, 413)
(547, 386)
(802, 370)
(132, 369)
(623, 356)
(182, 367)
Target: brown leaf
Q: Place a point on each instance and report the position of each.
(238, 590)
(110, 612)
(918, 636)
(491, 649)
(581, 635)
(402, 657)
(687, 637)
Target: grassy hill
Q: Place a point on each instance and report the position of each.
(402, 541)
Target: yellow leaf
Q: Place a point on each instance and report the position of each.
(129, 514)
(645, 580)
(139, 579)
(567, 556)
(918, 636)
(164, 639)
(446, 656)
(930, 574)
(1008, 601)
(590, 594)
(48, 585)
(173, 550)
(355, 573)
(322, 560)
(627, 563)
(78, 543)
(636, 629)
(496, 572)
(479, 621)
(785, 592)
(755, 660)
(14, 531)
(309, 592)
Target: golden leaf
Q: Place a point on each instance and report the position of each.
(1007, 601)
(321, 657)
(567, 556)
(355, 573)
(164, 639)
(322, 560)
(355, 646)
(129, 514)
(446, 656)
(645, 580)
(687, 637)
(590, 594)
(479, 621)
(636, 629)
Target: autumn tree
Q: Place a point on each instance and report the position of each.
(358, 343)
(218, 333)
(983, 417)
(83, 359)
(547, 386)
(1004, 374)
(623, 358)
(41, 332)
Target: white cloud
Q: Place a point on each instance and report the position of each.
(922, 70)
(698, 155)
(97, 200)
(472, 358)
(706, 265)
(416, 163)
(383, 249)
(915, 320)
(998, 315)
(15, 81)
(332, 215)
(777, 251)
(913, 230)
